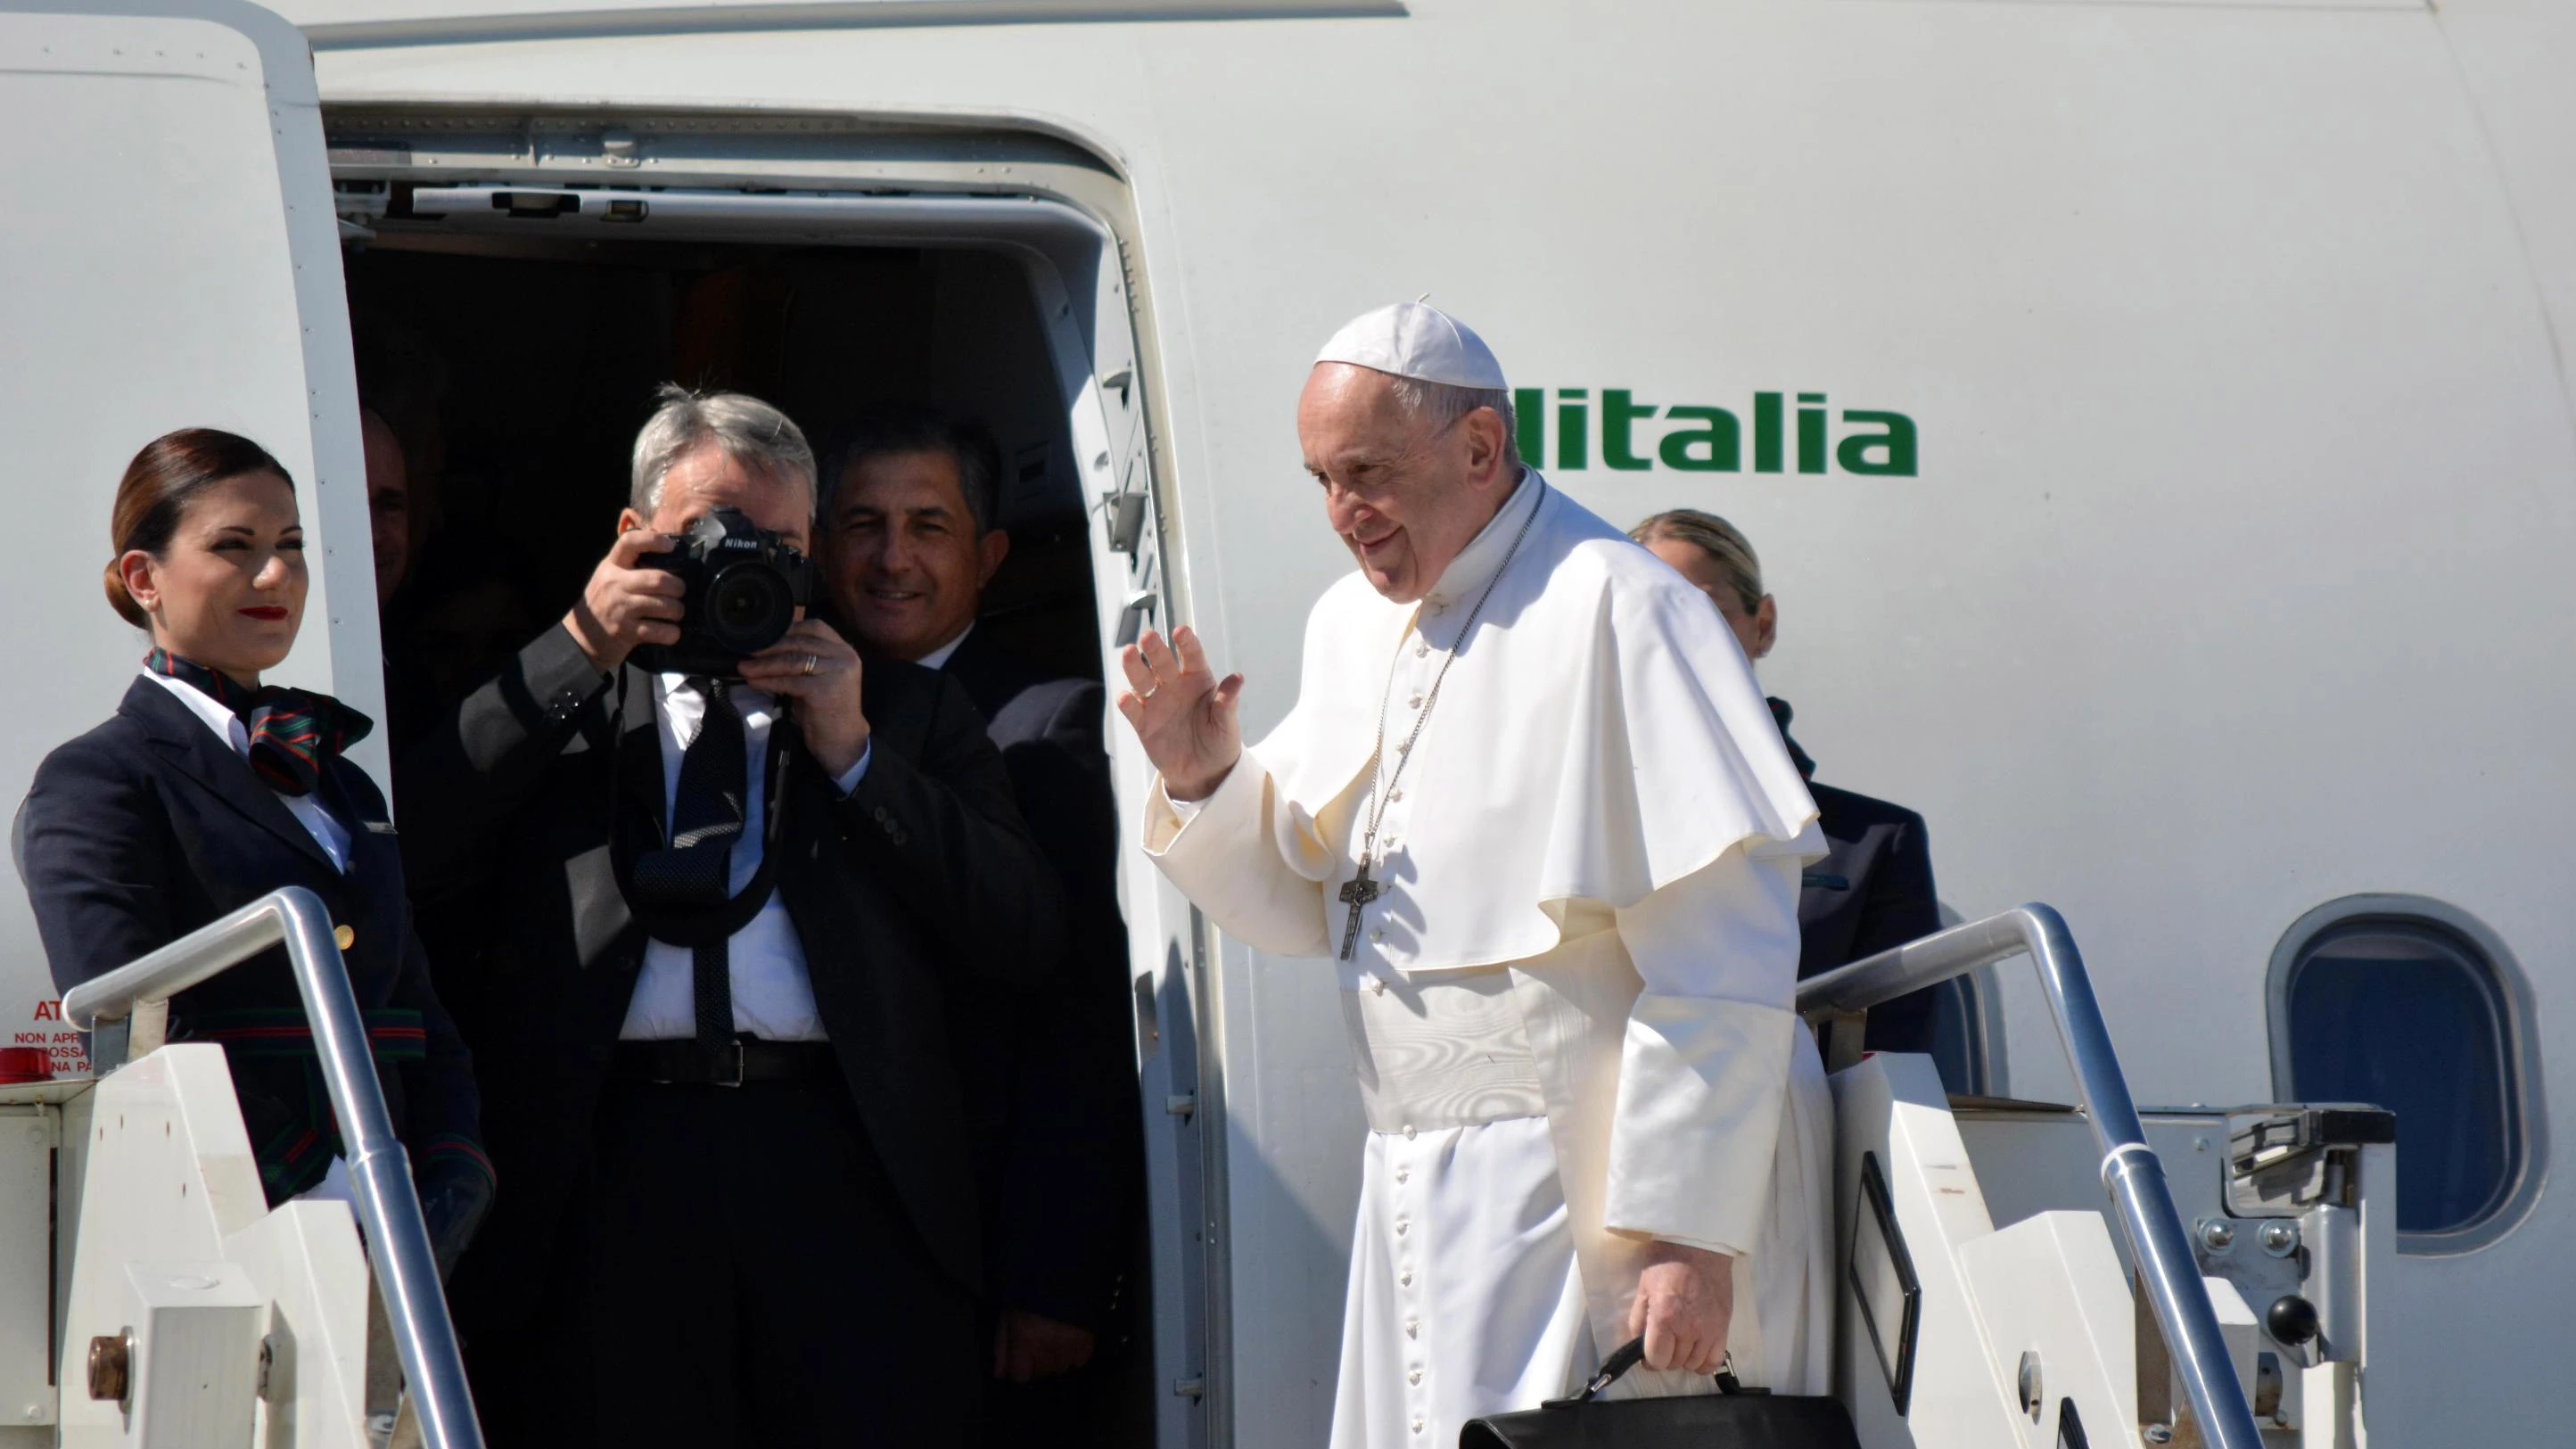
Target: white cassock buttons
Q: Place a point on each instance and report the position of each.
(1417, 1426)
(1405, 1278)
(1401, 1224)
(1422, 651)
(1413, 1328)
(1378, 934)
(1404, 1174)
(1395, 794)
(1408, 1131)
(1377, 987)
(1414, 1377)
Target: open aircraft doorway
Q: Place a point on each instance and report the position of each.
(511, 322)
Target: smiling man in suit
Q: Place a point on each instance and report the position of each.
(910, 541)
(749, 926)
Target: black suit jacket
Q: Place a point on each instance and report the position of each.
(918, 899)
(1073, 1160)
(148, 827)
(1873, 890)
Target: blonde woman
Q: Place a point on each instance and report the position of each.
(1873, 889)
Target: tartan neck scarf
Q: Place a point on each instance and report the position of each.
(292, 731)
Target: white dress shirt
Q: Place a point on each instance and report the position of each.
(938, 658)
(317, 821)
(308, 810)
(773, 998)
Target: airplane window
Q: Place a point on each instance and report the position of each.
(2415, 1010)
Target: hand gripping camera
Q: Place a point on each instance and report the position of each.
(745, 585)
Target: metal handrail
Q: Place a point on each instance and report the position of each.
(2131, 1173)
(379, 1173)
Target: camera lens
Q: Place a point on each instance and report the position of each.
(748, 607)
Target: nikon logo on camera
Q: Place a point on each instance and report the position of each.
(1690, 438)
(741, 588)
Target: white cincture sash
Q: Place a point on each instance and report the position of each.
(1441, 1051)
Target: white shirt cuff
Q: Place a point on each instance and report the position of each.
(849, 779)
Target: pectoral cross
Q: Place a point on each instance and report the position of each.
(1357, 892)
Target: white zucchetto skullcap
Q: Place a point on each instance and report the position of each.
(1419, 342)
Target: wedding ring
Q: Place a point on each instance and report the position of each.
(811, 663)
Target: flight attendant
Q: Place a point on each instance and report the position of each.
(1873, 889)
(207, 790)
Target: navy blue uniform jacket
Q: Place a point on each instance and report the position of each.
(148, 827)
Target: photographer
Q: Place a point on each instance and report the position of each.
(747, 897)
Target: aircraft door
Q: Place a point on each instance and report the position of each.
(1183, 1114)
(168, 258)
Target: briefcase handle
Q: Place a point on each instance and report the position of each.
(1632, 1353)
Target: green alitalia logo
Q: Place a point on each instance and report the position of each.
(1636, 436)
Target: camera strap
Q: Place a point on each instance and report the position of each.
(677, 883)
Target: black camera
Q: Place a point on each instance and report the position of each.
(745, 585)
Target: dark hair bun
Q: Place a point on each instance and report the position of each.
(121, 599)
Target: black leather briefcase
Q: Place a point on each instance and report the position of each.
(1732, 1418)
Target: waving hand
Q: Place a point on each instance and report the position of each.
(1182, 713)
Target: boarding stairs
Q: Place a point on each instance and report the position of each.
(157, 1300)
(2227, 1311)
(150, 1297)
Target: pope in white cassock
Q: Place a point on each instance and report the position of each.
(1532, 806)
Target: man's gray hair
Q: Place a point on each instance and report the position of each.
(750, 432)
(1441, 405)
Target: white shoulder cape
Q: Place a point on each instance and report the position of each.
(1600, 737)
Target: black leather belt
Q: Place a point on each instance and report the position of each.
(746, 1059)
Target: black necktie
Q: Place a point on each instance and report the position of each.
(696, 868)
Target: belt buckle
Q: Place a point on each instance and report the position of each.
(737, 1067)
